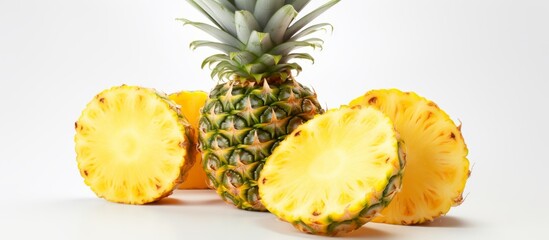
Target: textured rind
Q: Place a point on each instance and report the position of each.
(370, 208)
(189, 133)
(333, 227)
(240, 126)
(185, 130)
(373, 98)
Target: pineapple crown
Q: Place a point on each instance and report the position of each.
(257, 37)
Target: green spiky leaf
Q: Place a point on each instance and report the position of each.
(227, 4)
(222, 36)
(259, 43)
(312, 29)
(243, 57)
(291, 56)
(223, 16)
(255, 68)
(199, 8)
(245, 5)
(245, 25)
(278, 24)
(287, 66)
(219, 46)
(298, 4)
(302, 22)
(269, 60)
(214, 58)
(287, 47)
(258, 38)
(264, 10)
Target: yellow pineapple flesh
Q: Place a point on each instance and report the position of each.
(334, 173)
(131, 145)
(437, 167)
(191, 103)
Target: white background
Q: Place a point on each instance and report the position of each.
(485, 62)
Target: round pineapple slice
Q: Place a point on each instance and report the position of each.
(131, 145)
(437, 166)
(191, 102)
(334, 173)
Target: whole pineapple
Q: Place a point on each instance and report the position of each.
(246, 117)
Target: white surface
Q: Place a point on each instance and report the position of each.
(485, 62)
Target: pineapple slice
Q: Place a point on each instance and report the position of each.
(191, 102)
(131, 145)
(334, 173)
(437, 166)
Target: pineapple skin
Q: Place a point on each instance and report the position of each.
(451, 190)
(191, 102)
(241, 124)
(185, 130)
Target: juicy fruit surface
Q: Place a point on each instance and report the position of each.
(241, 125)
(131, 145)
(437, 167)
(191, 102)
(334, 173)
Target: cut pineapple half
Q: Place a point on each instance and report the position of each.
(334, 173)
(131, 145)
(191, 102)
(437, 166)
